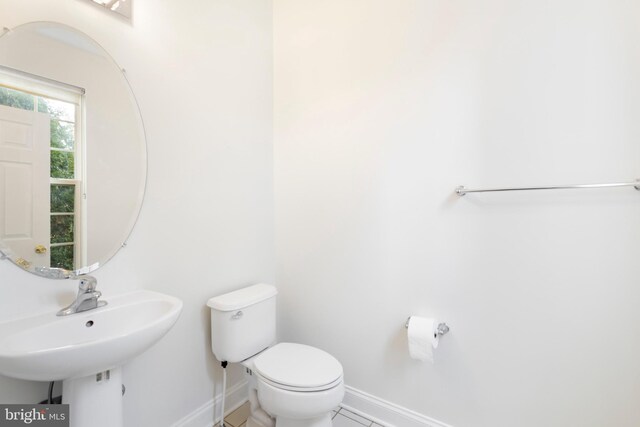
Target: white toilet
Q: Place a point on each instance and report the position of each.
(290, 385)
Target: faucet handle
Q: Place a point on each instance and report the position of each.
(87, 283)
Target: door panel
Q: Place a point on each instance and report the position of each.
(24, 183)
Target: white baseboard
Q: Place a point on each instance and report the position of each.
(203, 416)
(385, 413)
(381, 411)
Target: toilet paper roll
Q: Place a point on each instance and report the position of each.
(423, 337)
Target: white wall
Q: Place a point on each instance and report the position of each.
(381, 109)
(201, 71)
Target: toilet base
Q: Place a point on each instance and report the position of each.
(321, 421)
(253, 422)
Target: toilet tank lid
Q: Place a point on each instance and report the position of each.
(243, 297)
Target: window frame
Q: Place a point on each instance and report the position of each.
(41, 87)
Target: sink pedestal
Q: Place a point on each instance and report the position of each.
(94, 400)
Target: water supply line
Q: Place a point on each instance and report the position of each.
(224, 391)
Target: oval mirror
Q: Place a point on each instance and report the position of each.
(72, 151)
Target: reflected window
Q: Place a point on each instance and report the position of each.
(65, 175)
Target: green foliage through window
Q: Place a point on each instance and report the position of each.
(62, 257)
(62, 164)
(62, 198)
(62, 135)
(62, 228)
(15, 99)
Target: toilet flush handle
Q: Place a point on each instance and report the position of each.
(237, 315)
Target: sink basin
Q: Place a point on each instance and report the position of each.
(48, 348)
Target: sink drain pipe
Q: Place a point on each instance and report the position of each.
(50, 401)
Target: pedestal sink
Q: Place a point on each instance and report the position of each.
(86, 351)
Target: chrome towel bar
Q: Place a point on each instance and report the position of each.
(462, 190)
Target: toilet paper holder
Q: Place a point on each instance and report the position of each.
(442, 328)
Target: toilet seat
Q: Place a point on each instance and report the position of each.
(300, 389)
(298, 367)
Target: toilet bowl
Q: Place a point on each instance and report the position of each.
(298, 385)
(290, 385)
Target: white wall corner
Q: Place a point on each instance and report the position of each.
(385, 413)
(203, 416)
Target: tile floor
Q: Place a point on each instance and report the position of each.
(341, 418)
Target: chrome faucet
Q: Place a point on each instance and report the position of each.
(87, 298)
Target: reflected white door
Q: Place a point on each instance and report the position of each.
(24, 184)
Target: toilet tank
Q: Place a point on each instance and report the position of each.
(243, 322)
